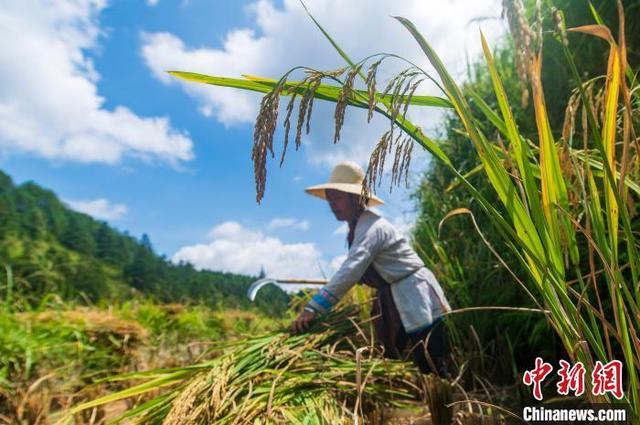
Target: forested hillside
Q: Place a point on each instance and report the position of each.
(52, 250)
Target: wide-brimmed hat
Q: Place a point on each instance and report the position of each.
(346, 177)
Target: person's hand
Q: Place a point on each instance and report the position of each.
(302, 322)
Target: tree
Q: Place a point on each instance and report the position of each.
(35, 223)
(8, 215)
(54, 249)
(78, 236)
(107, 246)
(145, 272)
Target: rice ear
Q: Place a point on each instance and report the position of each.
(371, 87)
(305, 108)
(345, 94)
(376, 163)
(287, 126)
(263, 136)
(311, 94)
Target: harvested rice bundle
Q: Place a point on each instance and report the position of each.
(332, 375)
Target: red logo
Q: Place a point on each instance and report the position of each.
(536, 376)
(607, 379)
(571, 378)
(604, 378)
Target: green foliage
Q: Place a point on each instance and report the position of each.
(470, 269)
(175, 321)
(456, 251)
(33, 345)
(77, 235)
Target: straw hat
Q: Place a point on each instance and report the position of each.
(345, 177)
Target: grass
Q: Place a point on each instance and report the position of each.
(56, 356)
(47, 357)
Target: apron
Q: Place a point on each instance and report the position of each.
(391, 335)
(386, 319)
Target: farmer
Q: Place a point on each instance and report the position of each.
(409, 301)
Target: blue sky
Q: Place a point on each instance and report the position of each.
(87, 110)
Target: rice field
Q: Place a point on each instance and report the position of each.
(565, 209)
(335, 374)
(51, 359)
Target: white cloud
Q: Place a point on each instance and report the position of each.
(290, 223)
(152, 3)
(235, 248)
(335, 263)
(101, 208)
(403, 224)
(49, 101)
(285, 37)
(232, 230)
(343, 229)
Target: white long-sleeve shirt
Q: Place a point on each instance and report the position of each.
(415, 290)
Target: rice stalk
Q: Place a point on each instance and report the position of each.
(276, 378)
(438, 393)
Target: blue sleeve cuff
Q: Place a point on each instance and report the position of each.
(322, 301)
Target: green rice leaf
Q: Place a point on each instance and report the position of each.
(324, 92)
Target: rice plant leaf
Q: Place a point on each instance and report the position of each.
(613, 201)
(496, 173)
(145, 407)
(425, 141)
(602, 240)
(595, 215)
(612, 91)
(520, 148)
(335, 45)
(633, 255)
(608, 135)
(598, 171)
(545, 270)
(595, 30)
(329, 90)
(145, 387)
(324, 92)
(554, 190)
(475, 170)
(489, 113)
(595, 14)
